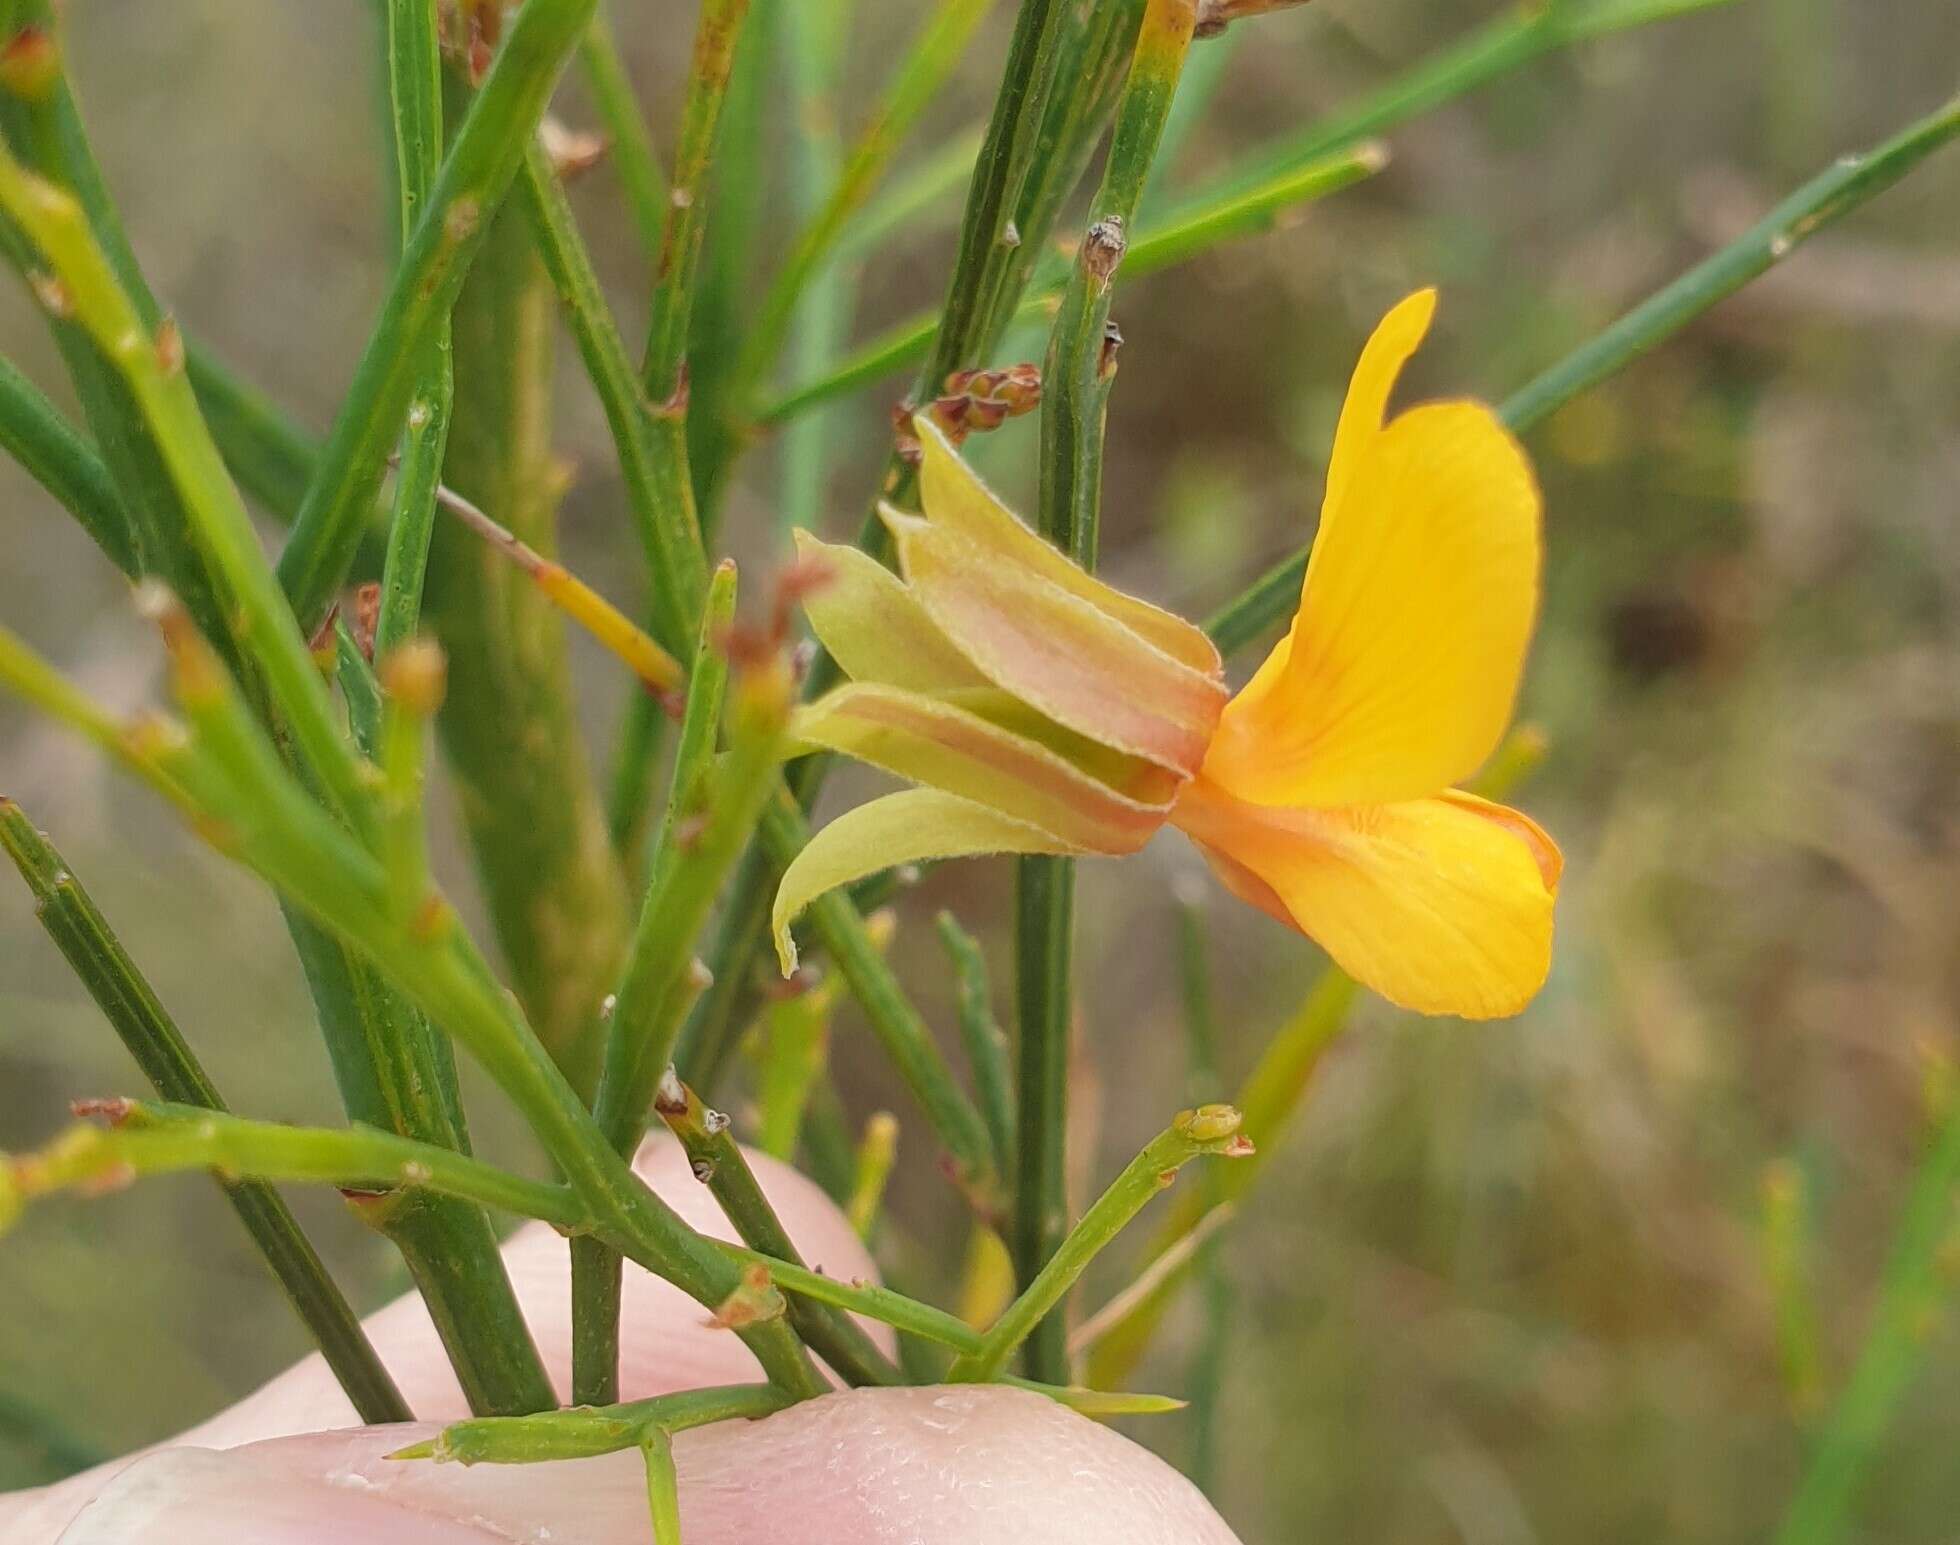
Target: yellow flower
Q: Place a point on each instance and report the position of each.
(1046, 712)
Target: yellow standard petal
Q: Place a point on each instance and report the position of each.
(874, 627)
(956, 500)
(1389, 348)
(1402, 666)
(1441, 905)
(907, 828)
(945, 746)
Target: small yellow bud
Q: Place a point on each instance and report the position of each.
(415, 675)
(1210, 1123)
(30, 64)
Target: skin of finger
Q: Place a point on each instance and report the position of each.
(666, 1342)
(965, 1465)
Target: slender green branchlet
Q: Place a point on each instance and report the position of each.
(588, 1431)
(147, 1138)
(719, 1164)
(1076, 381)
(455, 218)
(138, 1016)
(1207, 1129)
(1827, 198)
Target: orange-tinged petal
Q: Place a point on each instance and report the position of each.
(944, 746)
(873, 626)
(1402, 667)
(1055, 651)
(1131, 776)
(907, 828)
(956, 499)
(1443, 905)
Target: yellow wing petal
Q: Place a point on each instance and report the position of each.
(1443, 905)
(1399, 675)
(907, 828)
(956, 500)
(944, 746)
(874, 627)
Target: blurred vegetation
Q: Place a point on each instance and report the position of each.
(1509, 1284)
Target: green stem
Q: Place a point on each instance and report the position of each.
(415, 96)
(669, 536)
(597, 1271)
(631, 152)
(44, 128)
(139, 1018)
(663, 1487)
(392, 1070)
(715, 37)
(1893, 1355)
(892, 1016)
(664, 376)
(707, 1040)
(1269, 1098)
(794, 1048)
(657, 986)
(1209, 1129)
(1825, 199)
(456, 218)
(556, 893)
(1205, 71)
(878, 1303)
(718, 807)
(688, 784)
(1821, 202)
(1017, 139)
(719, 1164)
(61, 460)
(271, 456)
(227, 766)
(1198, 228)
(151, 1138)
(396, 1074)
(918, 78)
(985, 250)
(386, 1068)
(915, 200)
(1044, 932)
(741, 185)
(1515, 37)
(1207, 1374)
(827, 1155)
(877, 1152)
(1511, 41)
(1092, 56)
(1101, 1404)
(586, 1432)
(150, 364)
(628, 787)
(986, 1042)
(1075, 393)
(815, 45)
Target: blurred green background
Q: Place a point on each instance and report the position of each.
(1505, 1284)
